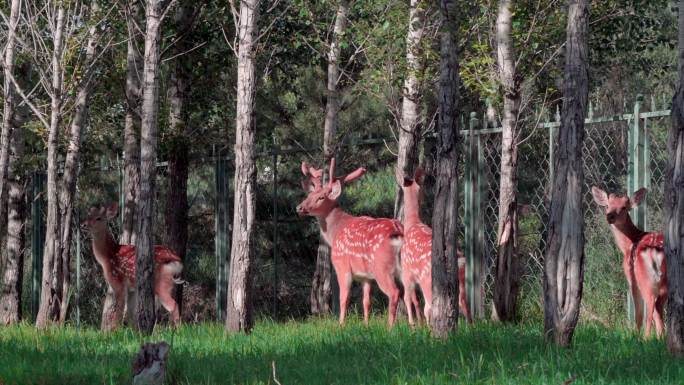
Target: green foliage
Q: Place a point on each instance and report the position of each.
(320, 352)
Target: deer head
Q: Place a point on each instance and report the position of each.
(411, 185)
(617, 206)
(322, 199)
(96, 221)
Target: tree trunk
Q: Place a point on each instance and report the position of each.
(321, 293)
(71, 164)
(444, 316)
(507, 263)
(9, 107)
(176, 214)
(10, 296)
(50, 296)
(409, 130)
(132, 123)
(564, 261)
(131, 151)
(144, 276)
(239, 303)
(674, 204)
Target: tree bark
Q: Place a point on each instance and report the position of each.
(507, 263)
(176, 214)
(409, 130)
(445, 215)
(50, 296)
(10, 296)
(145, 311)
(132, 123)
(131, 152)
(9, 107)
(674, 207)
(321, 289)
(564, 261)
(239, 302)
(71, 164)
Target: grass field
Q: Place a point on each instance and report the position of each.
(319, 352)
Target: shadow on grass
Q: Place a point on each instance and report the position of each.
(319, 352)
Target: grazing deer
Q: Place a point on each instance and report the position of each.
(361, 248)
(643, 257)
(118, 264)
(416, 253)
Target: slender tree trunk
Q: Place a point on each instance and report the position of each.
(177, 192)
(145, 311)
(50, 296)
(10, 296)
(71, 165)
(9, 107)
(134, 14)
(321, 289)
(409, 130)
(564, 261)
(507, 264)
(445, 215)
(674, 203)
(239, 303)
(134, 70)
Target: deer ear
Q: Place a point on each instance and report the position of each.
(638, 197)
(600, 196)
(112, 210)
(308, 186)
(335, 189)
(419, 176)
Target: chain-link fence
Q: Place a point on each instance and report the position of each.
(622, 152)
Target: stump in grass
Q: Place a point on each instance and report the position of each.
(149, 367)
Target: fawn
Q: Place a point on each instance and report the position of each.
(416, 252)
(643, 257)
(118, 264)
(361, 248)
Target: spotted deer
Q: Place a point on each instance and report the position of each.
(118, 264)
(416, 252)
(361, 248)
(643, 257)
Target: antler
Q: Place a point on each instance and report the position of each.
(352, 176)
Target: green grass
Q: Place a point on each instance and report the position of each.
(319, 352)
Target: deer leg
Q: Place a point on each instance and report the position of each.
(426, 288)
(463, 305)
(164, 294)
(650, 307)
(344, 282)
(658, 315)
(638, 307)
(388, 287)
(366, 301)
(416, 305)
(409, 293)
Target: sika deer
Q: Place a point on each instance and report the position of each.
(416, 253)
(118, 263)
(361, 248)
(643, 257)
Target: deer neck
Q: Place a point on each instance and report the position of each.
(104, 247)
(626, 234)
(332, 222)
(411, 211)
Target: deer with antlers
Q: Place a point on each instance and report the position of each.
(361, 248)
(118, 264)
(416, 253)
(643, 257)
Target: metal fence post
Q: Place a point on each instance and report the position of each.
(37, 239)
(474, 231)
(221, 245)
(636, 175)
